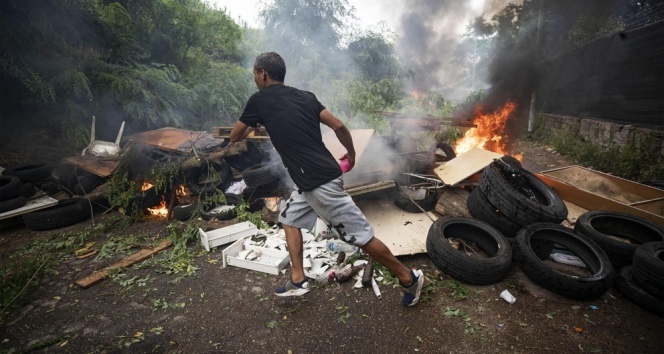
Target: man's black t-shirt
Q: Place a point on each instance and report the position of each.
(292, 119)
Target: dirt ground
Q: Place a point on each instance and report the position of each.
(234, 310)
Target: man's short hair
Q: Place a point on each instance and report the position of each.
(273, 64)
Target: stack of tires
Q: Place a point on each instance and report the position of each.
(517, 217)
(17, 184)
(635, 246)
(509, 198)
(13, 193)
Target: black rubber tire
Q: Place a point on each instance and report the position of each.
(30, 173)
(183, 212)
(260, 175)
(471, 270)
(11, 204)
(278, 188)
(574, 287)
(648, 268)
(404, 203)
(64, 175)
(67, 212)
(10, 187)
(448, 151)
(480, 208)
(547, 206)
(633, 292)
(598, 225)
(28, 190)
(231, 199)
(87, 182)
(245, 160)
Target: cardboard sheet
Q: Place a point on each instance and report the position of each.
(402, 232)
(465, 165)
(360, 141)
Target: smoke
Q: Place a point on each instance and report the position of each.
(430, 33)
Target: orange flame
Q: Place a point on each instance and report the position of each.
(145, 186)
(489, 133)
(161, 210)
(181, 191)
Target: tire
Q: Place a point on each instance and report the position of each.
(28, 190)
(183, 212)
(199, 185)
(405, 204)
(259, 175)
(481, 209)
(12, 204)
(520, 195)
(67, 212)
(31, 173)
(598, 225)
(87, 182)
(471, 270)
(633, 292)
(448, 151)
(220, 213)
(10, 187)
(64, 175)
(574, 287)
(278, 188)
(245, 160)
(648, 268)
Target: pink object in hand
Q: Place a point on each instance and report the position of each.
(345, 165)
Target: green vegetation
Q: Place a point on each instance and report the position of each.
(639, 159)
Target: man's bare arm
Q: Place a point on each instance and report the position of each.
(342, 132)
(240, 132)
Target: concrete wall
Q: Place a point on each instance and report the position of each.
(601, 133)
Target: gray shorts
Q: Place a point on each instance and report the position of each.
(333, 205)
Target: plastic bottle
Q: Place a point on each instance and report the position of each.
(324, 278)
(340, 246)
(347, 273)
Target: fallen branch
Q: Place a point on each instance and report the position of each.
(98, 276)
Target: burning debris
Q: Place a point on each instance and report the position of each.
(489, 133)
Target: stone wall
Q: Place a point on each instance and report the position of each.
(601, 133)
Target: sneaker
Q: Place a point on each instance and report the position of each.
(411, 294)
(293, 289)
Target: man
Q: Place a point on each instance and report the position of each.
(292, 119)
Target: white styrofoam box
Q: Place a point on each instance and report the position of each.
(271, 261)
(227, 234)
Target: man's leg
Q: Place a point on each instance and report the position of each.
(412, 281)
(294, 242)
(381, 254)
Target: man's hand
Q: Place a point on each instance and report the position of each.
(351, 160)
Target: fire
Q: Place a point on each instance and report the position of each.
(161, 210)
(145, 186)
(489, 133)
(180, 191)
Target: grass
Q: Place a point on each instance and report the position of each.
(639, 159)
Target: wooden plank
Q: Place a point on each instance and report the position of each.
(592, 201)
(173, 139)
(100, 166)
(98, 276)
(465, 165)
